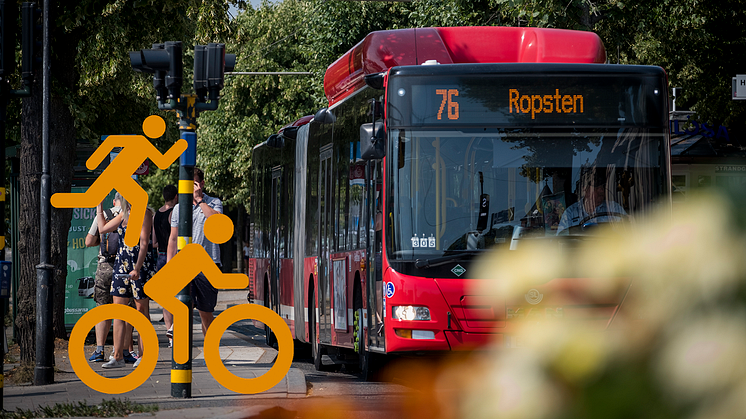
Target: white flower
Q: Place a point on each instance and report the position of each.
(703, 355)
(513, 386)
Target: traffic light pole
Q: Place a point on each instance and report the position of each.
(3, 114)
(44, 369)
(181, 374)
(165, 62)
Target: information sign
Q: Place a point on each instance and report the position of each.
(739, 87)
(81, 263)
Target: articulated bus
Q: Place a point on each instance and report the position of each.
(438, 145)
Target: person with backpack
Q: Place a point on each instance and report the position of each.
(108, 244)
(162, 229)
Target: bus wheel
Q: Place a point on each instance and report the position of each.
(316, 349)
(365, 365)
(269, 337)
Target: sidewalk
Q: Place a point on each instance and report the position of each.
(244, 353)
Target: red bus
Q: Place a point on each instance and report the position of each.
(438, 145)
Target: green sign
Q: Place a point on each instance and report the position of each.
(81, 263)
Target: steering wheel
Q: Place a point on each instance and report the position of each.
(603, 214)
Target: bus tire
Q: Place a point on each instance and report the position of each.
(366, 360)
(269, 337)
(316, 349)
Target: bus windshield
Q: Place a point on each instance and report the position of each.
(471, 189)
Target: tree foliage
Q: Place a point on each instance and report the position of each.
(697, 44)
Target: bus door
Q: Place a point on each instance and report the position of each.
(326, 212)
(274, 231)
(376, 306)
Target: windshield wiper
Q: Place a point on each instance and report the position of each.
(428, 263)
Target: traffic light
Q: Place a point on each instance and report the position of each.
(210, 64)
(30, 40)
(164, 60)
(200, 72)
(8, 17)
(174, 78)
(159, 80)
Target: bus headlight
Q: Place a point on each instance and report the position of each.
(411, 313)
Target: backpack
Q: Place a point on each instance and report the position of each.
(109, 241)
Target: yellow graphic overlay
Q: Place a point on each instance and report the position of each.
(179, 272)
(218, 228)
(189, 261)
(83, 369)
(153, 126)
(284, 354)
(118, 175)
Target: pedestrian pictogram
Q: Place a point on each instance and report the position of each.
(118, 175)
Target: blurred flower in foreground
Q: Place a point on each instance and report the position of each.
(646, 321)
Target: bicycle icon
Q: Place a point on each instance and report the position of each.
(162, 288)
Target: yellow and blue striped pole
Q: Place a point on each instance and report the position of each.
(181, 374)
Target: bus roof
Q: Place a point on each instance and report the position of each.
(382, 50)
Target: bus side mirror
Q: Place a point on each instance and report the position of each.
(372, 141)
(324, 116)
(290, 132)
(276, 141)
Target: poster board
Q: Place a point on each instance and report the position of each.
(340, 294)
(81, 263)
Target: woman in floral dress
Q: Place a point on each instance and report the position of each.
(133, 267)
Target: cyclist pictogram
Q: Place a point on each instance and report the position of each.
(179, 272)
(118, 175)
(162, 288)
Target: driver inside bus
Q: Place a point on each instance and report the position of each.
(594, 205)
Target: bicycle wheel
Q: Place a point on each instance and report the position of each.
(77, 344)
(231, 381)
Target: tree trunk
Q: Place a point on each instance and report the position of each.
(29, 220)
(62, 149)
(62, 139)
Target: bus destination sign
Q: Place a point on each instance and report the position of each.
(547, 101)
(534, 104)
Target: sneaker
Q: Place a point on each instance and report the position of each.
(170, 333)
(97, 357)
(170, 343)
(128, 358)
(114, 364)
(136, 363)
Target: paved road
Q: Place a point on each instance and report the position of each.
(339, 392)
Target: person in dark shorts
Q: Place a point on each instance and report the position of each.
(162, 229)
(104, 269)
(204, 295)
